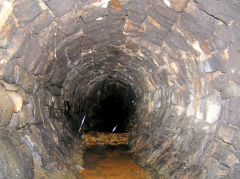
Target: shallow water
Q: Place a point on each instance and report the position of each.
(111, 164)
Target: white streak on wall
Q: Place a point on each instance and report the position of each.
(102, 3)
(167, 2)
(5, 12)
(99, 19)
(213, 108)
(197, 47)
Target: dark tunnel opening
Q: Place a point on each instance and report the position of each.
(164, 74)
(109, 107)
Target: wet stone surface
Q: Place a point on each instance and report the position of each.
(179, 57)
(111, 163)
(107, 155)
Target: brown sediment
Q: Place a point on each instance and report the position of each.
(107, 156)
(116, 164)
(101, 138)
(115, 4)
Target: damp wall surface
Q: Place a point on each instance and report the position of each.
(180, 58)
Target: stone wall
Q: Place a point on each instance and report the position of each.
(181, 59)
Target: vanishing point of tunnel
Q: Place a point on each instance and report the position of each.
(167, 72)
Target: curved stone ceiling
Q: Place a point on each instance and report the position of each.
(180, 58)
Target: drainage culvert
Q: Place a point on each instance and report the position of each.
(172, 67)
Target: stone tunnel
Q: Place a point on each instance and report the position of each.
(168, 70)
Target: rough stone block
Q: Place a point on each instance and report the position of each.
(235, 171)
(94, 14)
(26, 11)
(165, 21)
(34, 148)
(236, 142)
(6, 107)
(226, 133)
(26, 116)
(5, 32)
(8, 72)
(178, 5)
(230, 113)
(114, 23)
(225, 155)
(132, 28)
(218, 64)
(216, 170)
(118, 6)
(16, 99)
(58, 77)
(177, 40)
(58, 7)
(32, 53)
(231, 89)
(135, 16)
(17, 41)
(14, 123)
(197, 23)
(70, 23)
(232, 55)
(223, 10)
(156, 36)
(40, 22)
(29, 83)
(213, 108)
(15, 160)
(94, 25)
(132, 46)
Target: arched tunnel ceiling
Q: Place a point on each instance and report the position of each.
(180, 57)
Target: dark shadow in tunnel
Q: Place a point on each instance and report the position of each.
(109, 107)
(112, 112)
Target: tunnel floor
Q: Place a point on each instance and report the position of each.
(107, 156)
